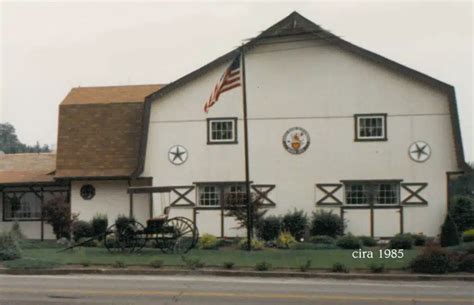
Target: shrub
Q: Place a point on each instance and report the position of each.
(57, 213)
(256, 244)
(208, 241)
(462, 212)
(449, 233)
(263, 266)
(9, 248)
(269, 228)
(326, 223)
(434, 260)
(16, 231)
(193, 263)
(368, 241)
(119, 264)
(81, 229)
(228, 265)
(419, 239)
(338, 267)
(377, 268)
(466, 263)
(401, 241)
(323, 240)
(123, 221)
(156, 263)
(99, 225)
(468, 236)
(285, 240)
(295, 222)
(305, 267)
(348, 241)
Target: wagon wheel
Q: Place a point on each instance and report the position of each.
(177, 235)
(125, 237)
(195, 233)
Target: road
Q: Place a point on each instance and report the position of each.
(206, 290)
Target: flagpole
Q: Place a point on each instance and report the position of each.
(246, 148)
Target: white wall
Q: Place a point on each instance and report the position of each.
(111, 198)
(320, 88)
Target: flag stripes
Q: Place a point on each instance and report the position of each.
(228, 81)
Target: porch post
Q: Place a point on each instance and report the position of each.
(42, 217)
(131, 204)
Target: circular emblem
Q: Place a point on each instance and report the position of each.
(87, 192)
(419, 151)
(296, 140)
(178, 154)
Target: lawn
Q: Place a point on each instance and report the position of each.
(284, 259)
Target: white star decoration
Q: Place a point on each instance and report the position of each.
(419, 151)
(178, 154)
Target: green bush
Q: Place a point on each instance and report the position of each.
(9, 247)
(377, 268)
(156, 263)
(269, 228)
(208, 242)
(323, 240)
(468, 236)
(296, 223)
(401, 241)
(81, 229)
(193, 263)
(368, 241)
(433, 260)
(326, 223)
(461, 210)
(419, 239)
(263, 266)
(99, 225)
(305, 267)
(123, 221)
(228, 265)
(285, 240)
(466, 263)
(256, 244)
(348, 241)
(57, 213)
(449, 233)
(119, 264)
(340, 268)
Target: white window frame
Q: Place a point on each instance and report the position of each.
(372, 187)
(360, 117)
(210, 139)
(29, 208)
(218, 191)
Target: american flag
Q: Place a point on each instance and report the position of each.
(229, 80)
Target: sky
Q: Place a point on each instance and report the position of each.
(47, 48)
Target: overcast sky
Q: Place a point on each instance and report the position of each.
(49, 47)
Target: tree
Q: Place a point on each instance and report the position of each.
(57, 213)
(461, 209)
(10, 144)
(236, 206)
(449, 233)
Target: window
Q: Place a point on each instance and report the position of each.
(24, 206)
(370, 127)
(209, 195)
(372, 192)
(222, 131)
(213, 194)
(87, 192)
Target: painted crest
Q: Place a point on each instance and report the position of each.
(419, 151)
(178, 154)
(296, 140)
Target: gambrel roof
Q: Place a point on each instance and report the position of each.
(294, 25)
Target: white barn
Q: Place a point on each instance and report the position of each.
(331, 126)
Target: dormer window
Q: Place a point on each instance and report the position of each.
(371, 127)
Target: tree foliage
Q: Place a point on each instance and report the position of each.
(449, 233)
(10, 144)
(57, 213)
(236, 206)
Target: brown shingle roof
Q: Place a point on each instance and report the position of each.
(107, 95)
(26, 168)
(99, 131)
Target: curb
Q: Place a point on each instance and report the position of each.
(243, 273)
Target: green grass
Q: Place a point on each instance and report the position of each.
(322, 258)
(30, 263)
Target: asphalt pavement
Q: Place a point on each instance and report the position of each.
(207, 290)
